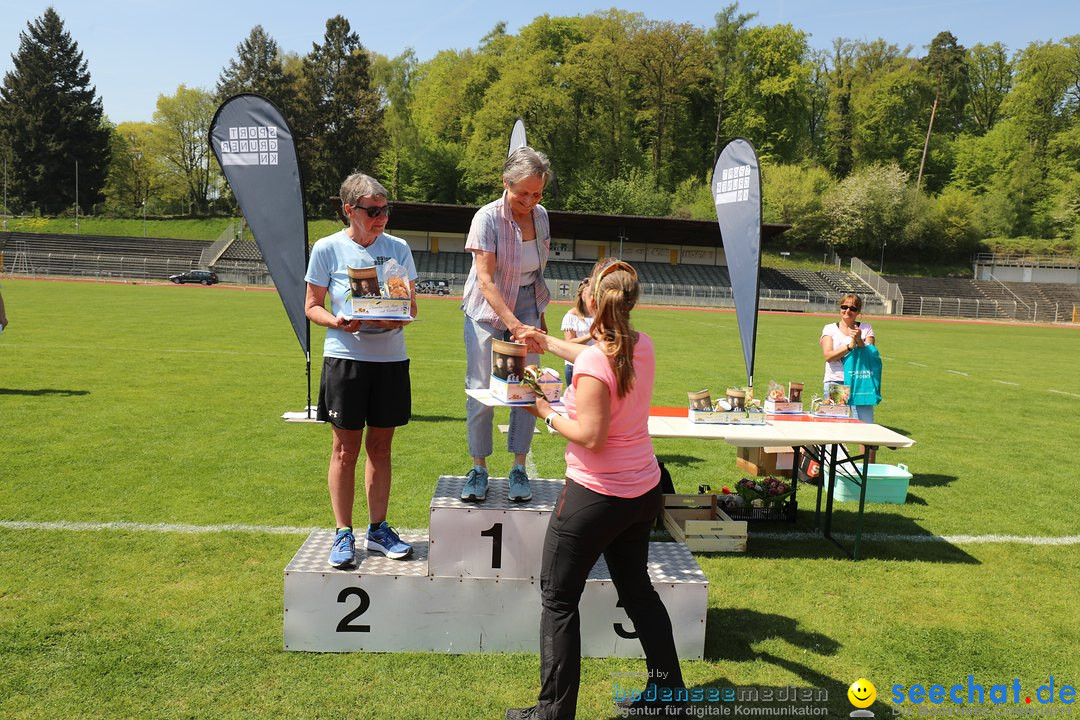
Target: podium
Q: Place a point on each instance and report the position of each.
(473, 585)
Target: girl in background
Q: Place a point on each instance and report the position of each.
(575, 326)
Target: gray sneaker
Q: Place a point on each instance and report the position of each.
(475, 489)
(519, 486)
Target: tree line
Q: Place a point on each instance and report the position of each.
(862, 144)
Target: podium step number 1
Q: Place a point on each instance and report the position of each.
(473, 586)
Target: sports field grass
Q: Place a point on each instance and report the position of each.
(160, 404)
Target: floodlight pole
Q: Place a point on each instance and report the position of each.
(881, 265)
(5, 191)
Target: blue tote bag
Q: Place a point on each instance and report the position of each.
(862, 373)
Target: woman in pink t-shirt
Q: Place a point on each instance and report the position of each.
(610, 502)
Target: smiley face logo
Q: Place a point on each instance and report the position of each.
(862, 693)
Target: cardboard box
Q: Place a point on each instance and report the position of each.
(772, 407)
(765, 460)
(511, 392)
(736, 417)
(697, 521)
(552, 387)
(823, 410)
(884, 484)
(373, 308)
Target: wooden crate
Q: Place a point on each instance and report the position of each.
(697, 521)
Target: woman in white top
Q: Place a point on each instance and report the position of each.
(575, 326)
(840, 338)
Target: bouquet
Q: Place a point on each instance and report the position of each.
(766, 492)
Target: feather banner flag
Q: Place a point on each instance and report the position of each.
(254, 146)
(736, 192)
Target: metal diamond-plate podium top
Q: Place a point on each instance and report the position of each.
(545, 493)
(313, 554)
(669, 562)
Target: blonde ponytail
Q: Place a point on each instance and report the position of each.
(615, 292)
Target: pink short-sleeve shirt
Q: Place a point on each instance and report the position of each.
(626, 466)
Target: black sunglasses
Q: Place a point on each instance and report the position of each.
(374, 211)
(849, 307)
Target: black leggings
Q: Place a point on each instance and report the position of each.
(584, 525)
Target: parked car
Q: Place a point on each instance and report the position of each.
(195, 276)
(433, 287)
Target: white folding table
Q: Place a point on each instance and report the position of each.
(819, 438)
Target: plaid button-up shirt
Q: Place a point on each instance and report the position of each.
(493, 230)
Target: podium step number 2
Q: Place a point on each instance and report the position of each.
(473, 586)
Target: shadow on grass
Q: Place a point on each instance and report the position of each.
(885, 536)
(931, 480)
(433, 418)
(733, 632)
(674, 462)
(41, 392)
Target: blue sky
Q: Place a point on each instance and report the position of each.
(139, 49)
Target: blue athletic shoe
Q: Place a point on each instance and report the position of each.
(519, 485)
(386, 541)
(343, 552)
(475, 489)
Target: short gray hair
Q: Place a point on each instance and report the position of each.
(359, 185)
(525, 162)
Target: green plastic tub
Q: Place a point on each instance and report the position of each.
(884, 484)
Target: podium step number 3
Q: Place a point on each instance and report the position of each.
(473, 586)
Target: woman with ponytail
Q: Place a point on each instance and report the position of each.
(610, 502)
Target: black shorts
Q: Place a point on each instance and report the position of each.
(354, 393)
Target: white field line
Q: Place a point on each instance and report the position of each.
(184, 529)
(957, 372)
(916, 364)
(950, 539)
(1006, 382)
(1062, 392)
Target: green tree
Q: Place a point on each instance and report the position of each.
(599, 72)
(183, 122)
(793, 195)
(890, 112)
(136, 174)
(257, 68)
(634, 193)
(990, 77)
(338, 118)
(867, 209)
(772, 87)
(393, 80)
(52, 120)
(723, 39)
(839, 119)
(947, 67)
(668, 59)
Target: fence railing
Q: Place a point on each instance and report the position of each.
(1019, 259)
(890, 292)
(1049, 312)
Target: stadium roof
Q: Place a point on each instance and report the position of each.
(435, 217)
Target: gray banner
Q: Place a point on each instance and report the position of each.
(254, 145)
(736, 191)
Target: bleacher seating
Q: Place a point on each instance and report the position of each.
(101, 256)
(41, 243)
(242, 250)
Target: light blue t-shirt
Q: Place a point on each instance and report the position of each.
(331, 257)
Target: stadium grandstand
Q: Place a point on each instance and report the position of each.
(686, 267)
